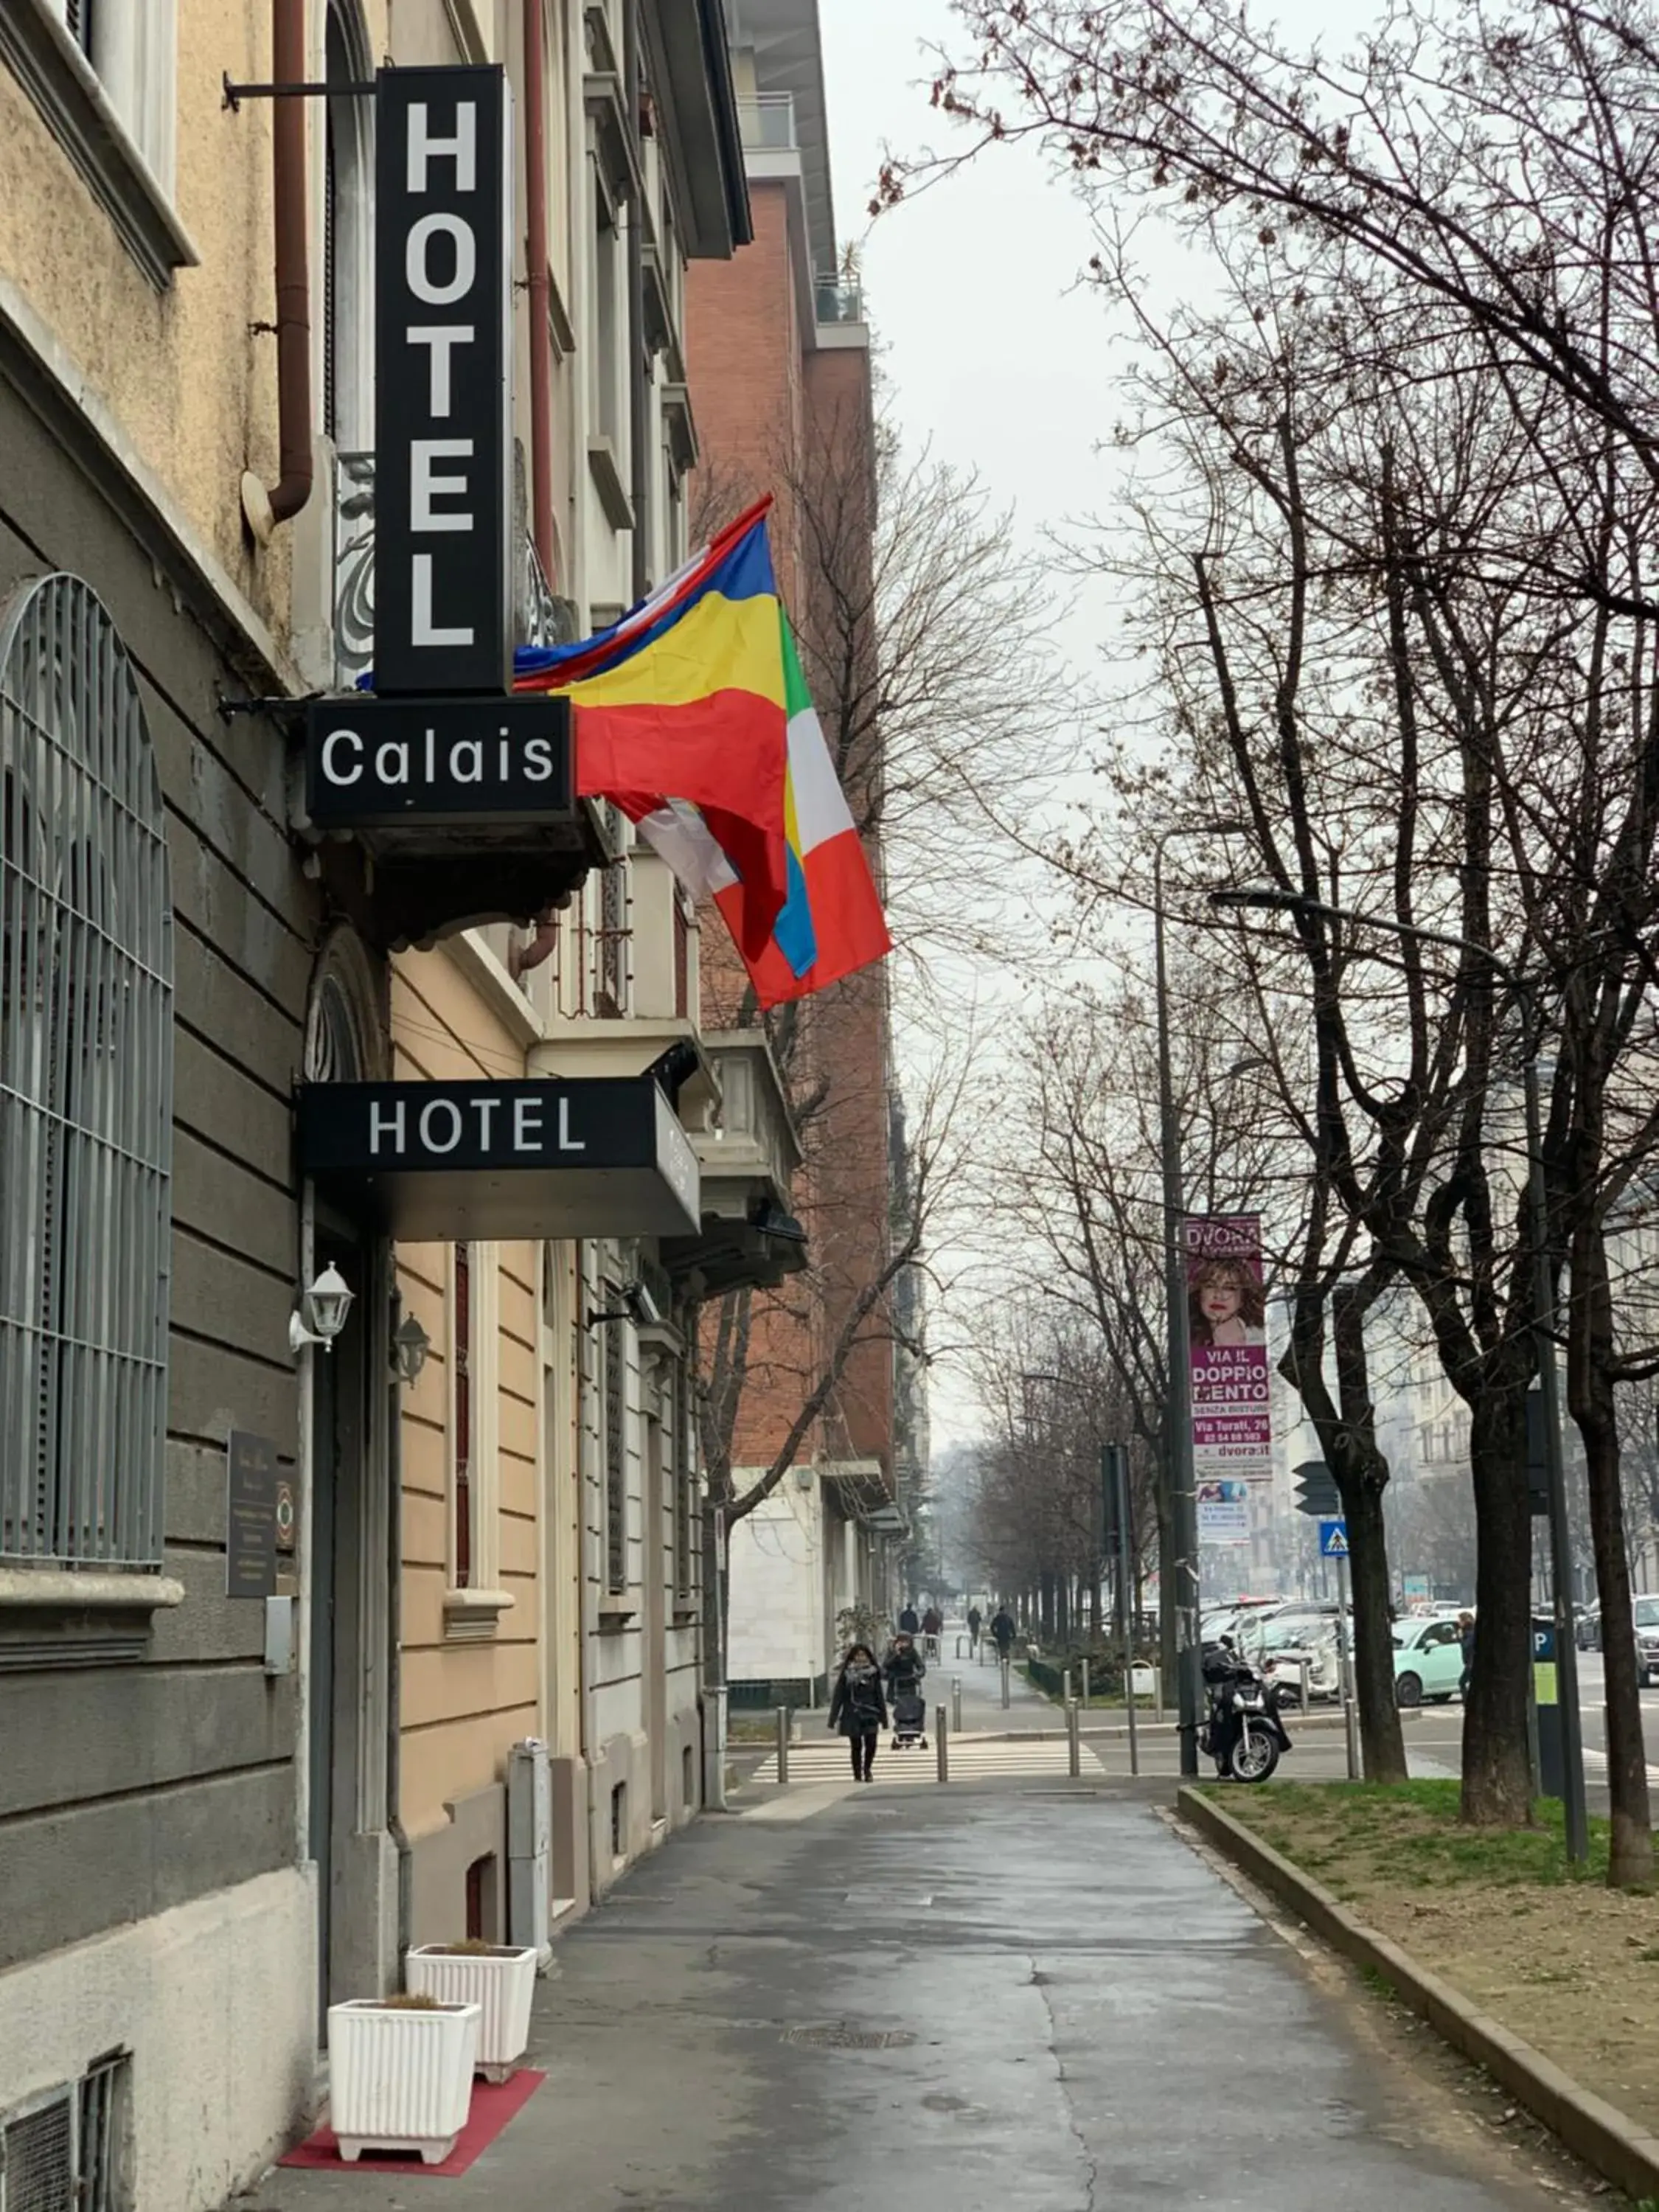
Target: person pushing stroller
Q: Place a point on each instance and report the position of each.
(905, 1671)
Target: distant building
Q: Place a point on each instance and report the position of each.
(779, 357)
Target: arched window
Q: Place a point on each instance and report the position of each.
(85, 1092)
(348, 385)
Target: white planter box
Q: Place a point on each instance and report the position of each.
(400, 2080)
(500, 1983)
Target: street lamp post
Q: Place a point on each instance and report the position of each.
(1179, 1496)
(1180, 1489)
(1268, 898)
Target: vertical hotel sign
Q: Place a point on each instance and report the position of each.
(443, 300)
(1227, 1333)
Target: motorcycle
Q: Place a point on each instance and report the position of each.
(1244, 1733)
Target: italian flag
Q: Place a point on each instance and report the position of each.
(831, 923)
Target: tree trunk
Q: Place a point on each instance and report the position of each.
(1362, 1476)
(1496, 1766)
(1590, 1394)
(1348, 1437)
(1381, 1743)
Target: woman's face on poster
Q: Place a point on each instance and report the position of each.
(1220, 1302)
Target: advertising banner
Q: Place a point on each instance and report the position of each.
(1224, 1512)
(1227, 1333)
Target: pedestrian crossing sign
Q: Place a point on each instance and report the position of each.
(1333, 1540)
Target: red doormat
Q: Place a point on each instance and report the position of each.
(493, 2104)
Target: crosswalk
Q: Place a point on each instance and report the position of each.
(972, 1759)
(1595, 1766)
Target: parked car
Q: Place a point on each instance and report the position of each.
(1428, 1662)
(1317, 1651)
(1647, 1641)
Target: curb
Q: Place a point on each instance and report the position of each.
(1606, 2139)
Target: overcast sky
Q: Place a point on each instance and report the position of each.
(988, 349)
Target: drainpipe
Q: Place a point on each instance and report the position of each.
(265, 507)
(541, 344)
(394, 1633)
(638, 416)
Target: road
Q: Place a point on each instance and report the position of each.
(1435, 1736)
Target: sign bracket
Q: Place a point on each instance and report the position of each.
(236, 94)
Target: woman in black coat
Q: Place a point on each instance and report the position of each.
(858, 1708)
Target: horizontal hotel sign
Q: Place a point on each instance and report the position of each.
(450, 1162)
(374, 762)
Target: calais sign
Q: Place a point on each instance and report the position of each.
(443, 505)
(1227, 1336)
(372, 762)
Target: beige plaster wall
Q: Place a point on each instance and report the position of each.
(464, 1704)
(194, 392)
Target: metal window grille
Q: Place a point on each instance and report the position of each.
(102, 2181)
(463, 1435)
(331, 280)
(85, 1092)
(613, 1356)
(77, 22)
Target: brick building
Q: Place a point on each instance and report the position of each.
(779, 362)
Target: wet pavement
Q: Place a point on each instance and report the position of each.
(1018, 1998)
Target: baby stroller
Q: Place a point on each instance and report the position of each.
(910, 1719)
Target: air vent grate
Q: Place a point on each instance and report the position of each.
(836, 2035)
(37, 2158)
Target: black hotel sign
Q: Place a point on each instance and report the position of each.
(443, 507)
(564, 1157)
(371, 762)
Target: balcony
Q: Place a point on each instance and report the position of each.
(766, 123)
(748, 1164)
(839, 301)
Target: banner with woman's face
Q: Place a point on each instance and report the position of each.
(1227, 1332)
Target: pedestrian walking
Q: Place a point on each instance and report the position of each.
(1002, 1628)
(908, 1621)
(1466, 1636)
(975, 1618)
(858, 1707)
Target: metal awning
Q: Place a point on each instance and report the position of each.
(431, 1163)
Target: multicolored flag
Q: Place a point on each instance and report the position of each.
(693, 717)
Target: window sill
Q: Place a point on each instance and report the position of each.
(685, 1616)
(78, 113)
(607, 481)
(54, 1616)
(615, 1613)
(471, 1615)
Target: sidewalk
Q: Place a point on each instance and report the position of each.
(1033, 1999)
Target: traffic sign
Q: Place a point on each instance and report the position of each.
(1333, 1540)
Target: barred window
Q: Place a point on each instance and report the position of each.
(85, 1092)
